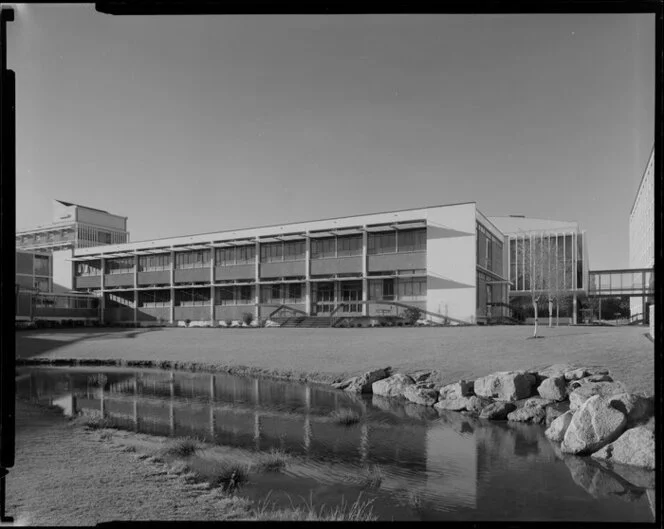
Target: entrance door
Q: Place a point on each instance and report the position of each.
(324, 303)
(351, 293)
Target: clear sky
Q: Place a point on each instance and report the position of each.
(196, 124)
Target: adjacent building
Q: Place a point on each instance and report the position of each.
(547, 257)
(642, 229)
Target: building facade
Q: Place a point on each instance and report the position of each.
(74, 226)
(642, 229)
(34, 271)
(545, 257)
(448, 261)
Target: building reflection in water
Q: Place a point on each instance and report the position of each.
(455, 464)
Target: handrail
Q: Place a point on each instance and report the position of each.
(333, 320)
(284, 306)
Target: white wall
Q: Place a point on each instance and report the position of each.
(63, 272)
(101, 219)
(451, 261)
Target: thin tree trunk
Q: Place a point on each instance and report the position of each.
(536, 319)
(550, 313)
(557, 313)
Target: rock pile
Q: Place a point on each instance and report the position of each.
(584, 409)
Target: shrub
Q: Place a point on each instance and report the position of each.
(247, 317)
(228, 322)
(96, 423)
(187, 322)
(184, 447)
(412, 314)
(229, 476)
(346, 417)
(273, 461)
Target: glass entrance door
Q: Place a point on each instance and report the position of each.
(351, 293)
(324, 303)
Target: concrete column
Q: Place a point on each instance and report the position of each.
(102, 301)
(257, 296)
(102, 402)
(135, 404)
(307, 274)
(212, 265)
(257, 393)
(574, 309)
(212, 382)
(135, 289)
(171, 414)
(172, 309)
(365, 281)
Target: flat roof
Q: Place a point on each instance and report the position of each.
(302, 222)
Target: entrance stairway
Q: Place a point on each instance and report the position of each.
(306, 322)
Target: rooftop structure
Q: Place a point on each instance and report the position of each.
(74, 226)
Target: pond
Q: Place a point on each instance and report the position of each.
(430, 465)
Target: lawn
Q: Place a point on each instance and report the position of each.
(467, 352)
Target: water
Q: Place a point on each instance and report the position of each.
(432, 466)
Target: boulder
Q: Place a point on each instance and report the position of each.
(421, 413)
(637, 408)
(576, 374)
(555, 370)
(393, 386)
(553, 388)
(476, 404)
(497, 411)
(592, 378)
(455, 404)
(635, 447)
(594, 425)
(422, 396)
(533, 414)
(584, 392)
(556, 431)
(462, 388)
(363, 383)
(554, 411)
(505, 385)
(421, 376)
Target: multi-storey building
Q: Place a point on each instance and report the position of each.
(34, 271)
(74, 226)
(642, 228)
(449, 261)
(546, 257)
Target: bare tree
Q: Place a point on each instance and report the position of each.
(543, 272)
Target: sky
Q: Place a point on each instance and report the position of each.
(208, 123)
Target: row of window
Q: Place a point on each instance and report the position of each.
(385, 242)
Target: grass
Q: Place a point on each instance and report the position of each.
(229, 476)
(272, 461)
(345, 417)
(461, 353)
(97, 423)
(183, 447)
(358, 511)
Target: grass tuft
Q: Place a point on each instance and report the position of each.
(346, 417)
(358, 511)
(229, 476)
(273, 461)
(183, 447)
